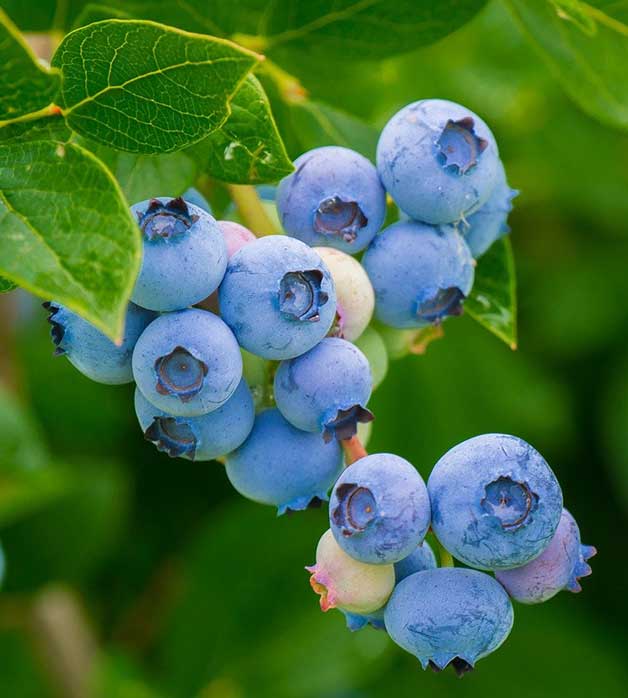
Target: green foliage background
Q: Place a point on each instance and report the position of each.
(193, 592)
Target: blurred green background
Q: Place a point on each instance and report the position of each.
(192, 592)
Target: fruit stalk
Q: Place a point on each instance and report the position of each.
(354, 450)
(251, 210)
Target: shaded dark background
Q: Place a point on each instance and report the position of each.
(191, 591)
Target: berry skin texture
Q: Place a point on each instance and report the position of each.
(236, 236)
(278, 297)
(558, 567)
(199, 438)
(88, 350)
(489, 223)
(422, 558)
(449, 615)
(495, 502)
(187, 363)
(421, 274)
(326, 389)
(355, 298)
(333, 198)
(379, 509)
(185, 255)
(347, 584)
(283, 466)
(438, 160)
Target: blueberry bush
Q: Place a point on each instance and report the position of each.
(255, 220)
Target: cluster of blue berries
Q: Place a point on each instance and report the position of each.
(260, 352)
(493, 503)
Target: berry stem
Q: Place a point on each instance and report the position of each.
(446, 560)
(251, 210)
(353, 448)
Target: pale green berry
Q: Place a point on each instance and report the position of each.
(347, 584)
(374, 348)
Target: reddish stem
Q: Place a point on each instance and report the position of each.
(353, 448)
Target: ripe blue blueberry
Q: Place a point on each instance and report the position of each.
(449, 616)
(187, 363)
(489, 223)
(199, 438)
(326, 389)
(420, 273)
(379, 509)
(438, 160)
(185, 255)
(93, 354)
(421, 558)
(495, 502)
(283, 466)
(278, 297)
(558, 567)
(333, 198)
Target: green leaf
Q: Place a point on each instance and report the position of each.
(348, 29)
(586, 50)
(330, 28)
(6, 285)
(493, 300)
(145, 176)
(65, 229)
(147, 88)
(43, 15)
(247, 148)
(25, 85)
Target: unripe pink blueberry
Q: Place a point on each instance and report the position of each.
(236, 236)
(347, 584)
(355, 297)
(558, 567)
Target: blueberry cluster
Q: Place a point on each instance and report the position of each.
(493, 503)
(261, 352)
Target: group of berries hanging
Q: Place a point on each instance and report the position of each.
(260, 352)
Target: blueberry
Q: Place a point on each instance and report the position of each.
(355, 298)
(333, 198)
(420, 273)
(421, 558)
(326, 389)
(199, 438)
(187, 363)
(374, 348)
(194, 196)
(347, 584)
(379, 509)
(93, 354)
(495, 502)
(558, 567)
(438, 160)
(487, 224)
(236, 236)
(278, 297)
(283, 466)
(185, 255)
(449, 616)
